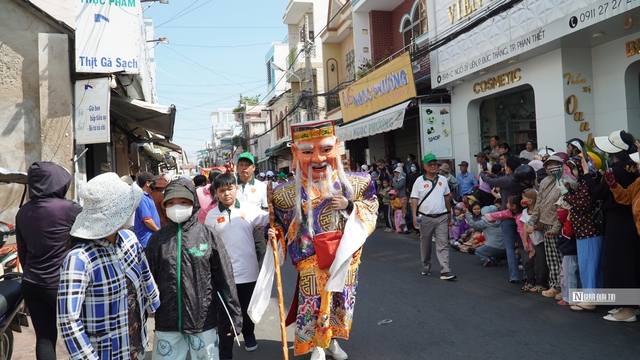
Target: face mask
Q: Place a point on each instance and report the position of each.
(152, 186)
(563, 214)
(554, 169)
(413, 168)
(179, 213)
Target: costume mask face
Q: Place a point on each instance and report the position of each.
(315, 154)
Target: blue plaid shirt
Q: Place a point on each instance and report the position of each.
(92, 297)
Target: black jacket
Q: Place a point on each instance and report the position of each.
(205, 270)
(43, 224)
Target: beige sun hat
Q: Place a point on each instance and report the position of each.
(108, 204)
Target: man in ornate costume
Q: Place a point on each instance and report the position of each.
(323, 206)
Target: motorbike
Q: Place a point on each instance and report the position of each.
(13, 314)
(13, 311)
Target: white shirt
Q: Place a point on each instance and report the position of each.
(254, 192)
(536, 236)
(435, 204)
(236, 230)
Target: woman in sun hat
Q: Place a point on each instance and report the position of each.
(621, 239)
(105, 288)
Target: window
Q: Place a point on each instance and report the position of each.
(414, 23)
(351, 65)
(269, 73)
(280, 126)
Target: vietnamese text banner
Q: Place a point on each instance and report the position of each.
(389, 85)
(108, 36)
(92, 98)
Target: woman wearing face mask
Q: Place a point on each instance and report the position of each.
(191, 266)
(545, 219)
(621, 239)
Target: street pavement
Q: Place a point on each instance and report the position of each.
(478, 316)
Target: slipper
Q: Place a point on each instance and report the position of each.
(562, 303)
(582, 308)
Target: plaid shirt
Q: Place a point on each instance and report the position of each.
(92, 296)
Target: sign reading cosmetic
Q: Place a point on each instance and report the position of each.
(386, 86)
(108, 36)
(92, 123)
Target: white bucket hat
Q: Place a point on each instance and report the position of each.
(611, 144)
(108, 204)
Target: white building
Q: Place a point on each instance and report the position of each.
(540, 69)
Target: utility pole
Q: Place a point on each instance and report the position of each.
(243, 108)
(308, 49)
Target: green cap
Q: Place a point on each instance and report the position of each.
(248, 156)
(428, 158)
(282, 176)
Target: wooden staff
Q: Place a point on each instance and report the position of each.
(276, 258)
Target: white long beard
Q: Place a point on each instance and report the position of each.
(325, 187)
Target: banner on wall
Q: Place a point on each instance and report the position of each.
(92, 122)
(388, 85)
(108, 36)
(435, 130)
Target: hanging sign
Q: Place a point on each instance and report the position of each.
(108, 36)
(435, 130)
(92, 123)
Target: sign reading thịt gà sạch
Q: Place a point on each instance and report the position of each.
(386, 86)
(108, 36)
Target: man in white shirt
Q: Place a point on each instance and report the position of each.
(252, 191)
(430, 199)
(235, 221)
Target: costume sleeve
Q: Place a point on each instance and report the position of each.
(499, 215)
(623, 196)
(223, 281)
(366, 205)
(74, 280)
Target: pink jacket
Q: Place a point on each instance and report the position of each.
(507, 214)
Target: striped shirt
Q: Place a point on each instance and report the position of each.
(92, 296)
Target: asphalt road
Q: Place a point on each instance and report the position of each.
(478, 316)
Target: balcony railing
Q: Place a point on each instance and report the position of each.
(333, 97)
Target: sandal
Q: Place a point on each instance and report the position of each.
(514, 281)
(527, 288)
(538, 289)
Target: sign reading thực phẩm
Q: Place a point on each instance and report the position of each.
(108, 36)
(386, 86)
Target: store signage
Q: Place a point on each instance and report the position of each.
(632, 47)
(463, 9)
(384, 87)
(92, 122)
(435, 130)
(491, 83)
(108, 36)
(515, 31)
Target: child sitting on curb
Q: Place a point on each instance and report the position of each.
(493, 249)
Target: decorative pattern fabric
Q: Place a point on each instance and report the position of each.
(93, 311)
(322, 315)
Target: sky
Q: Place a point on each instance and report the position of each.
(216, 52)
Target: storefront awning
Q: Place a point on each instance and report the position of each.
(156, 118)
(273, 151)
(386, 120)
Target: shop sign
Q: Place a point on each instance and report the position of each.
(503, 37)
(435, 130)
(491, 83)
(632, 47)
(108, 35)
(92, 122)
(384, 87)
(572, 104)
